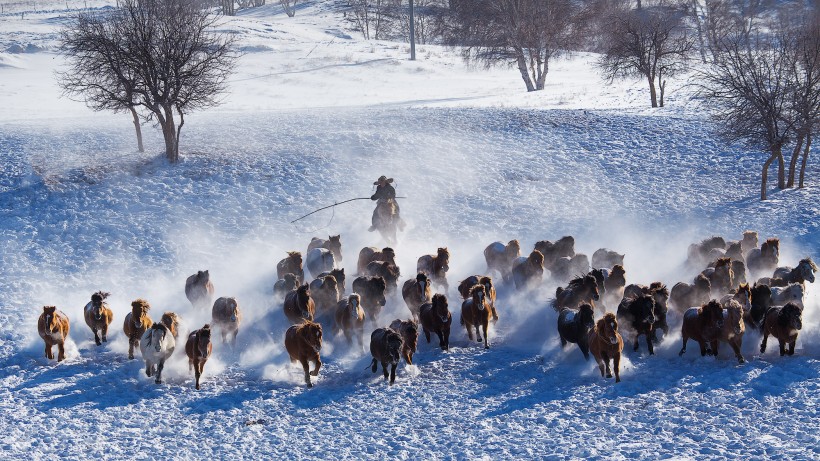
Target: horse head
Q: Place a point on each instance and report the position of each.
(659, 292)
(295, 257)
(139, 309)
(393, 341)
(423, 283)
(97, 300)
(157, 336)
(714, 312)
(291, 282)
(734, 317)
(744, 296)
(354, 302)
(440, 307)
(479, 295)
(513, 249)
(443, 259)
(586, 315)
(536, 260)
(312, 334)
(607, 328)
(771, 249)
(203, 339)
(645, 312)
(703, 285)
(791, 317)
(334, 244)
(591, 285)
(807, 269)
(749, 241)
(52, 326)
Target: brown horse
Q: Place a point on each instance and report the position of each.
(333, 243)
(435, 317)
(500, 258)
(683, 295)
(637, 317)
(386, 220)
(372, 290)
(370, 254)
(761, 302)
(528, 272)
(733, 328)
(416, 292)
(53, 327)
(339, 275)
(804, 272)
(303, 343)
(475, 313)
(606, 343)
(385, 346)
(580, 290)
(299, 305)
(198, 349)
(743, 295)
(98, 316)
(349, 319)
(325, 294)
(389, 272)
(436, 267)
(783, 323)
(564, 269)
(704, 325)
(227, 316)
(604, 258)
(699, 253)
(739, 271)
(291, 265)
(171, 320)
(285, 285)
(563, 247)
(721, 277)
(409, 331)
(764, 259)
(734, 251)
(465, 285)
(136, 323)
(749, 241)
(614, 285)
(200, 290)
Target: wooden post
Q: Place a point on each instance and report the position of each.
(412, 34)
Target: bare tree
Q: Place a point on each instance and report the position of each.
(175, 60)
(527, 33)
(228, 7)
(289, 6)
(651, 43)
(369, 17)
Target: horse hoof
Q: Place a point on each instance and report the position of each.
(609, 375)
(158, 381)
(741, 360)
(314, 373)
(197, 387)
(309, 385)
(617, 380)
(99, 343)
(486, 347)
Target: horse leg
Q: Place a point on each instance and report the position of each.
(160, 366)
(649, 344)
(478, 332)
(605, 356)
(616, 364)
(486, 336)
(469, 330)
(48, 351)
(149, 371)
(198, 373)
(130, 348)
(763, 344)
(495, 314)
(233, 340)
(736, 347)
(563, 341)
(584, 349)
(393, 373)
(427, 336)
(685, 338)
(703, 349)
(318, 361)
(61, 351)
(96, 336)
(447, 339)
(384, 371)
(791, 347)
(600, 362)
(714, 347)
(782, 346)
(306, 368)
(190, 366)
(105, 333)
(635, 344)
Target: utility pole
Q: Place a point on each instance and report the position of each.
(412, 34)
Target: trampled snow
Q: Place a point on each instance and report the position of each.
(314, 116)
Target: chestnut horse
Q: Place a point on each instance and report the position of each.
(528, 272)
(136, 323)
(333, 243)
(575, 327)
(171, 320)
(684, 295)
(156, 345)
(416, 292)
(285, 285)
(476, 312)
(704, 325)
(580, 290)
(733, 328)
(198, 349)
(227, 316)
(435, 317)
(291, 265)
(303, 343)
(53, 327)
(743, 295)
(465, 285)
(339, 275)
(349, 319)
(389, 272)
(372, 290)
(783, 323)
(500, 258)
(764, 259)
(200, 290)
(436, 267)
(409, 331)
(98, 316)
(325, 294)
(370, 254)
(721, 277)
(385, 346)
(606, 343)
(299, 306)
(386, 220)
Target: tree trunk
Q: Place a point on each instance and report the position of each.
(805, 158)
(652, 93)
(522, 67)
(701, 42)
(137, 127)
(793, 163)
(169, 132)
(543, 68)
(781, 169)
(765, 175)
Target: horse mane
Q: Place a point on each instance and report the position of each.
(49, 309)
(294, 255)
(140, 304)
(770, 243)
(724, 261)
(658, 287)
(443, 252)
(206, 330)
(537, 258)
(99, 296)
(786, 312)
(160, 326)
(514, 244)
(334, 238)
(422, 277)
(354, 296)
(807, 260)
(330, 281)
(744, 287)
(387, 251)
(701, 281)
(477, 287)
(574, 284)
(617, 271)
(486, 279)
(303, 290)
(438, 298)
(711, 306)
(608, 317)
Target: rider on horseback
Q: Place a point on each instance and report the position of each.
(385, 194)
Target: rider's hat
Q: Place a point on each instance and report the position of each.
(382, 180)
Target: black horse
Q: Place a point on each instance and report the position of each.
(575, 326)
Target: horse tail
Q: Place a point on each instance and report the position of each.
(374, 365)
(461, 319)
(554, 304)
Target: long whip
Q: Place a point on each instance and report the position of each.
(329, 206)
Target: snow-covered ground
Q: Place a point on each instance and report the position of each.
(313, 116)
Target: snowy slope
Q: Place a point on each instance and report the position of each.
(314, 116)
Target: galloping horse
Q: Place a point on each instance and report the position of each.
(53, 327)
(387, 220)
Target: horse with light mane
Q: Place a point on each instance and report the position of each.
(733, 328)
(436, 267)
(200, 290)
(465, 285)
(53, 327)
(606, 343)
(416, 292)
(793, 293)
(303, 343)
(171, 320)
(475, 313)
(198, 349)
(98, 316)
(742, 295)
(721, 277)
(156, 345)
(804, 272)
(227, 316)
(136, 323)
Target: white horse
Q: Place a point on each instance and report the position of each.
(790, 294)
(156, 345)
(320, 260)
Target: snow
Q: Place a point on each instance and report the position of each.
(313, 116)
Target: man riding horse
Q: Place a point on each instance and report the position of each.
(386, 199)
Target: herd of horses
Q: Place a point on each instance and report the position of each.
(716, 307)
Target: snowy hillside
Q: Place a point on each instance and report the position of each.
(314, 116)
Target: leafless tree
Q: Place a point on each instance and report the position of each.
(369, 17)
(169, 51)
(289, 6)
(228, 7)
(650, 42)
(526, 33)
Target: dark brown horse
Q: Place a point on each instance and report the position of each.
(436, 267)
(227, 316)
(372, 290)
(198, 349)
(604, 258)
(565, 269)
(606, 343)
(475, 313)
(200, 290)
(614, 285)
(325, 294)
(637, 316)
(299, 305)
(721, 277)
(435, 317)
(575, 327)
(370, 254)
(764, 259)
(580, 290)
(333, 243)
(563, 247)
(500, 258)
(386, 220)
(761, 302)
(465, 285)
(416, 292)
(389, 272)
(385, 346)
(528, 272)
(684, 295)
(303, 343)
(349, 319)
(136, 323)
(53, 327)
(739, 271)
(733, 328)
(339, 275)
(409, 331)
(784, 323)
(285, 285)
(98, 316)
(660, 294)
(291, 265)
(704, 325)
